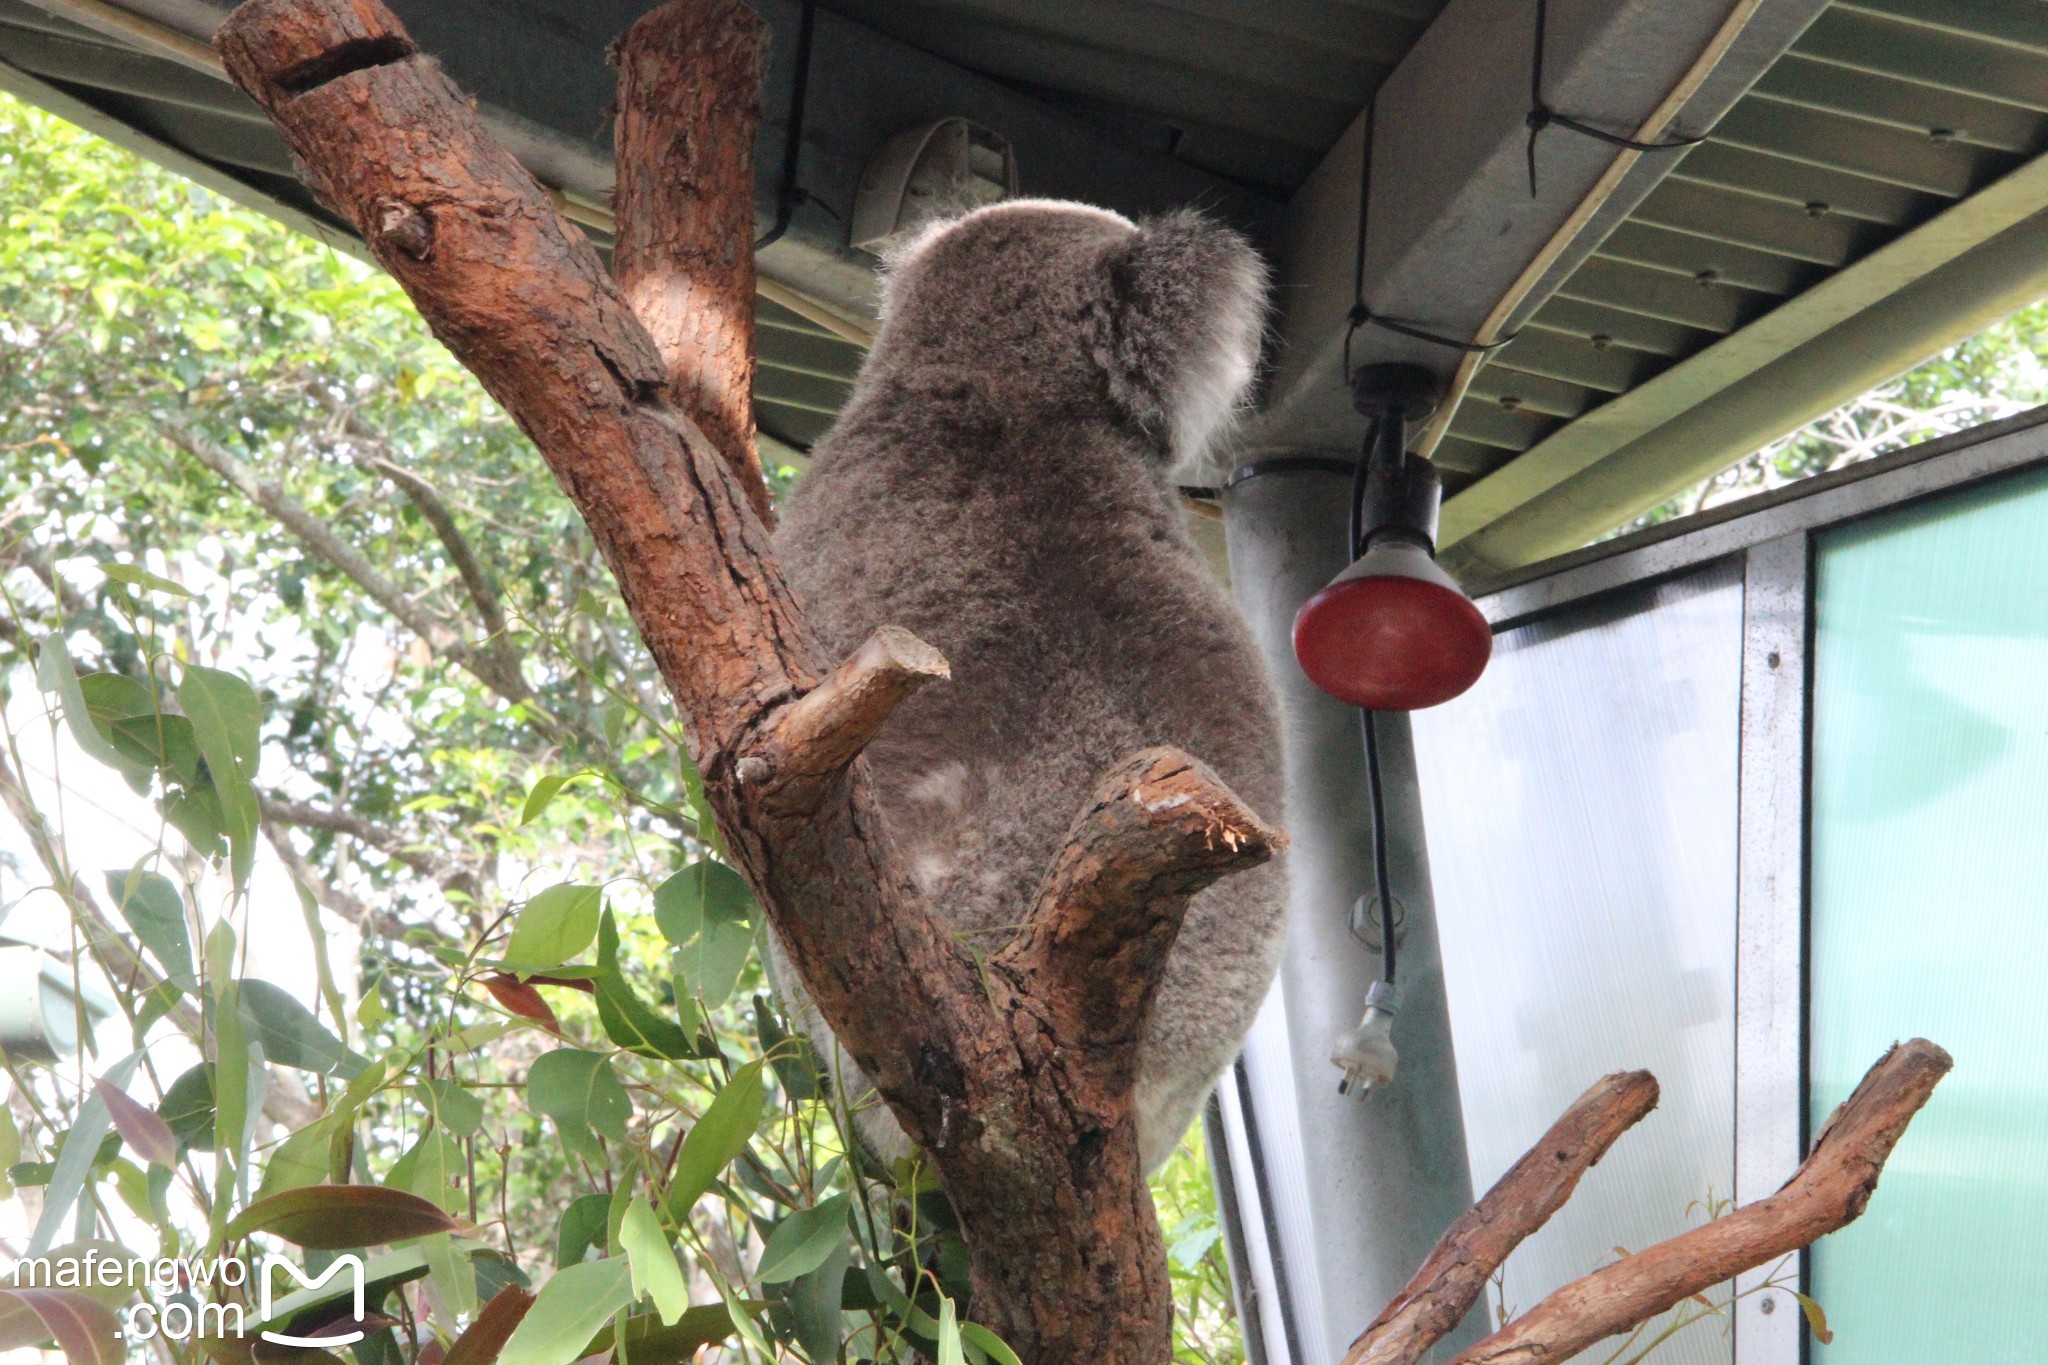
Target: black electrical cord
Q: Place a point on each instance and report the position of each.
(1542, 116)
(790, 195)
(1361, 314)
(1382, 878)
(1388, 421)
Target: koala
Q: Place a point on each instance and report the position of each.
(1000, 485)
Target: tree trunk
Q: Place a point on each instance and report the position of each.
(1017, 1081)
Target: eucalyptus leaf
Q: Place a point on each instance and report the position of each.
(718, 1137)
(653, 1260)
(291, 1034)
(804, 1241)
(582, 1227)
(568, 1312)
(150, 903)
(54, 673)
(579, 1091)
(554, 926)
(226, 718)
(454, 1108)
(76, 1156)
(629, 1021)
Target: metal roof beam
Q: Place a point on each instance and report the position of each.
(1929, 288)
(538, 71)
(1454, 232)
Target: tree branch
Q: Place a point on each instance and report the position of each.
(424, 496)
(323, 541)
(380, 922)
(689, 82)
(1436, 1300)
(448, 875)
(815, 740)
(1159, 827)
(1828, 1191)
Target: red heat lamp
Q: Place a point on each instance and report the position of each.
(1393, 632)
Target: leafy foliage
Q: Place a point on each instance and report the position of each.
(535, 1048)
(1998, 373)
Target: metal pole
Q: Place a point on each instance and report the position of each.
(1383, 1174)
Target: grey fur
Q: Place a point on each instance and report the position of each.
(999, 485)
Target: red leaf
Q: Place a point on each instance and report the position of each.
(86, 1330)
(574, 983)
(341, 1217)
(141, 1129)
(487, 1336)
(521, 999)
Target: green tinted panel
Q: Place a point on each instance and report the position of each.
(1930, 916)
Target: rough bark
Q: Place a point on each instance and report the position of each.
(689, 84)
(1473, 1248)
(1828, 1191)
(1037, 1151)
(818, 738)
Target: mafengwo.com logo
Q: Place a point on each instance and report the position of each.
(179, 1316)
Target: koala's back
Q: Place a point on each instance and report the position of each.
(1081, 627)
(1010, 516)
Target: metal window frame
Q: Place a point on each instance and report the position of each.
(1773, 537)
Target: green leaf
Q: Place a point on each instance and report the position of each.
(290, 1033)
(150, 903)
(341, 1217)
(816, 1304)
(238, 1074)
(554, 926)
(794, 1060)
(226, 718)
(55, 674)
(569, 1311)
(988, 1343)
(949, 1335)
(655, 1272)
(705, 890)
(187, 1108)
(454, 1283)
(1816, 1319)
(582, 1227)
(719, 1136)
(804, 1241)
(76, 1156)
(629, 1021)
(298, 1161)
(431, 1168)
(454, 1108)
(543, 795)
(707, 911)
(580, 1093)
(144, 579)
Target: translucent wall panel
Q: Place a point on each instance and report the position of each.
(1581, 809)
(1930, 916)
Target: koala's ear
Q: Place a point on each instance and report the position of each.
(1179, 329)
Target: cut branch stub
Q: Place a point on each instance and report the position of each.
(813, 741)
(1828, 1191)
(1473, 1248)
(689, 79)
(1159, 827)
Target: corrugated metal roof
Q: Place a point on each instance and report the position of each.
(1256, 90)
(1884, 113)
